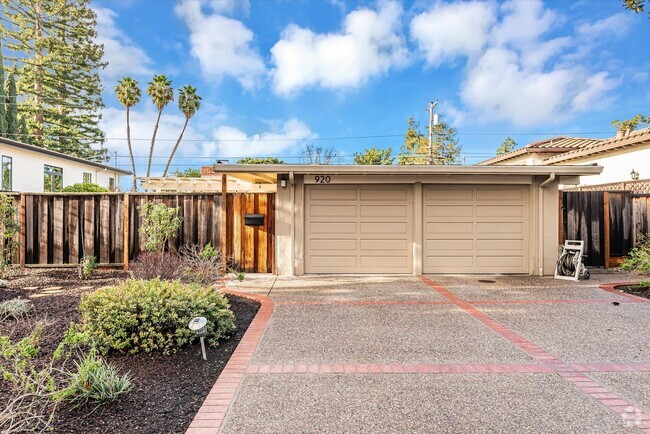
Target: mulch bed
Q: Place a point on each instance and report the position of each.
(639, 291)
(167, 390)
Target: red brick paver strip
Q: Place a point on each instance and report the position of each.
(215, 406)
(569, 372)
(611, 287)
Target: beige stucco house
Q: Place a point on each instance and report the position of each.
(413, 219)
(31, 169)
(623, 157)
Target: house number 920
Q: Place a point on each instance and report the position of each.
(322, 179)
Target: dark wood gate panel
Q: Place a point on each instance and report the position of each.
(59, 229)
(583, 220)
(640, 217)
(620, 223)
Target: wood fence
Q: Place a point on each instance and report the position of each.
(609, 222)
(59, 229)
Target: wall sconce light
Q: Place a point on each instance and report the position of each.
(198, 326)
(635, 175)
(283, 180)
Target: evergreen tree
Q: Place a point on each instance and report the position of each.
(3, 99)
(12, 109)
(23, 133)
(415, 149)
(508, 145)
(53, 44)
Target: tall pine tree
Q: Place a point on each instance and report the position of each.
(3, 99)
(12, 109)
(53, 44)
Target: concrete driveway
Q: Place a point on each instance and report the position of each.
(446, 354)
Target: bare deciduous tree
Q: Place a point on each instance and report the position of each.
(314, 154)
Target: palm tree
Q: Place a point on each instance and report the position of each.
(128, 93)
(161, 93)
(188, 102)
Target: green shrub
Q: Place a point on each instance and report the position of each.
(87, 266)
(644, 284)
(638, 261)
(15, 308)
(85, 187)
(95, 380)
(9, 229)
(148, 315)
(159, 224)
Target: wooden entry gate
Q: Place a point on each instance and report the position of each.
(59, 229)
(609, 222)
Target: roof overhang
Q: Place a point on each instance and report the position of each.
(266, 173)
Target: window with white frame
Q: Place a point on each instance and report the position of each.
(111, 183)
(88, 178)
(52, 178)
(7, 173)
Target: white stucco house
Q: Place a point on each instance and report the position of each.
(31, 169)
(625, 157)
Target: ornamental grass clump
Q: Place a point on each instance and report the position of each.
(152, 315)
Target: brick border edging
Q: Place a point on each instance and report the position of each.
(611, 287)
(216, 404)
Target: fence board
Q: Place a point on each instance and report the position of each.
(104, 229)
(57, 231)
(73, 230)
(43, 223)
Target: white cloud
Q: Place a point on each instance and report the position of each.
(368, 45)
(230, 6)
(123, 56)
(617, 25)
(283, 136)
(514, 71)
(221, 45)
(447, 31)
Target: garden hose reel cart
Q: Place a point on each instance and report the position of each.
(570, 265)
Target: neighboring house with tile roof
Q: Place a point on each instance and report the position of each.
(621, 156)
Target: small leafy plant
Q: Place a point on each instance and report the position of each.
(638, 261)
(9, 229)
(95, 380)
(87, 267)
(15, 308)
(644, 284)
(152, 315)
(159, 224)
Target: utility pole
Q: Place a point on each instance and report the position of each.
(432, 105)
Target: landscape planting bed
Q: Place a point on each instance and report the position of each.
(639, 291)
(167, 390)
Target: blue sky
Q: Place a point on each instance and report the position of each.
(275, 75)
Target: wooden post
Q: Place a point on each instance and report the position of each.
(224, 221)
(607, 227)
(126, 231)
(23, 232)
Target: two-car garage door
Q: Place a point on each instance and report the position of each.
(369, 228)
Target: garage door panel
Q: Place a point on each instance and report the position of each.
(333, 228)
(445, 210)
(332, 244)
(516, 244)
(332, 195)
(435, 228)
(448, 245)
(333, 210)
(494, 239)
(500, 194)
(508, 211)
(380, 211)
(375, 238)
(499, 228)
(451, 193)
(385, 245)
(386, 193)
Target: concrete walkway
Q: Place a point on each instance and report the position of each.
(446, 354)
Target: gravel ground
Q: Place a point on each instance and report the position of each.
(339, 288)
(381, 334)
(582, 333)
(633, 385)
(416, 403)
(531, 287)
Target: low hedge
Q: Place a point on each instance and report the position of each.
(148, 315)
